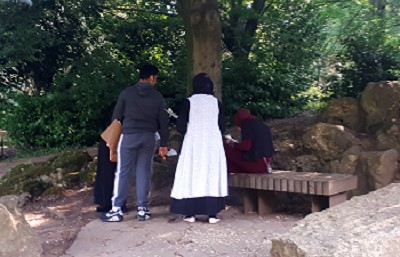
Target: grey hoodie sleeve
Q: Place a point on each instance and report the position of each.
(119, 109)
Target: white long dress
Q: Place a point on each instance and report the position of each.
(201, 170)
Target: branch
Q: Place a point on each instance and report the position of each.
(266, 7)
(11, 85)
(130, 9)
(28, 2)
(252, 23)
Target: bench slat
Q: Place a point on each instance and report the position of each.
(297, 182)
(326, 190)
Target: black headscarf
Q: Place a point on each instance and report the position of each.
(202, 84)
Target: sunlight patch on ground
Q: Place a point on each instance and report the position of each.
(36, 219)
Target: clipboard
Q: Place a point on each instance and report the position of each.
(111, 136)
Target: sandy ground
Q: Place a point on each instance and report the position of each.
(167, 235)
(69, 226)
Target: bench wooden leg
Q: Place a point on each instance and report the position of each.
(337, 199)
(267, 202)
(249, 200)
(319, 202)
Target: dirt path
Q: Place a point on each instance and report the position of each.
(6, 165)
(56, 221)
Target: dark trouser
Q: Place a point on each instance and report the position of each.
(104, 176)
(135, 157)
(237, 164)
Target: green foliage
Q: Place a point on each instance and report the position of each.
(363, 47)
(34, 127)
(63, 63)
(93, 53)
(258, 93)
(316, 98)
(38, 41)
(280, 64)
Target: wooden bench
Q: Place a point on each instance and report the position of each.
(325, 189)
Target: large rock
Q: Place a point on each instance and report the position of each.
(388, 138)
(17, 237)
(365, 226)
(344, 111)
(380, 102)
(307, 163)
(378, 168)
(328, 141)
(375, 169)
(71, 169)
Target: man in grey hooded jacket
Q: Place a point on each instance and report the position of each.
(142, 111)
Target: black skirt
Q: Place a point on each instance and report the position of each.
(105, 173)
(210, 206)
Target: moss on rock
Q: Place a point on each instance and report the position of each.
(70, 169)
(70, 161)
(71, 179)
(24, 178)
(56, 191)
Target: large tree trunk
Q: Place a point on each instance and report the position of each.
(203, 37)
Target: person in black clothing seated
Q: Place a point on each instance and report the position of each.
(253, 154)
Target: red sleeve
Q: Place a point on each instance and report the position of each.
(243, 146)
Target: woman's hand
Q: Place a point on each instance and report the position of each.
(229, 140)
(162, 152)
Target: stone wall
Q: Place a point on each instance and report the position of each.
(352, 136)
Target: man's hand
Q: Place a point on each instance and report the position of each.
(162, 152)
(112, 147)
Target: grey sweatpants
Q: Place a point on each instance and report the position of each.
(135, 157)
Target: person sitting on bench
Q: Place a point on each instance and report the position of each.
(253, 154)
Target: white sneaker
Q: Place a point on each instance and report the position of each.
(213, 220)
(143, 214)
(112, 216)
(190, 219)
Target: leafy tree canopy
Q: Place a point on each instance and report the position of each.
(63, 63)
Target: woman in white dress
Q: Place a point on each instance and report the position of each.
(201, 184)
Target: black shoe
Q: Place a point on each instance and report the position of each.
(143, 214)
(124, 209)
(103, 209)
(112, 216)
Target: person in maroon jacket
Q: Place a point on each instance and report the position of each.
(253, 154)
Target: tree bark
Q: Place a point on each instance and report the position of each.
(240, 46)
(380, 6)
(203, 38)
